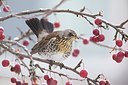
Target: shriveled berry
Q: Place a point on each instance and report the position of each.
(5, 63)
(56, 24)
(119, 43)
(17, 68)
(46, 77)
(68, 83)
(98, 22)
(12, 69)
(13, 80)
(126, 54)
(6, 9)
(83, 73)
(102, 82)
(85, 41)
(96, 32)
(101, 37)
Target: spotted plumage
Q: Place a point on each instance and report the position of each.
(55, 45)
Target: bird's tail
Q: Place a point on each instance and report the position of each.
(37, 26)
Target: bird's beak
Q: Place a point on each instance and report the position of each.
(77, 37)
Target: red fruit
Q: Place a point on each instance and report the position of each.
(98, 22)
(56, 24)
(6, 9)
(13, 80)
(49, 81)
(85, 41)
(101, 37)
(68, 83)
(75, 52)
(94, 39)
(102, 83)
(119, 57)
(126, 54)
(46, 77)
(120, 54)
(21, 57)
(2, 36)
(119, 43)
(5, 63)
(83, 73)
(114, 56)
(26, 42)
(17, 68)
(96, 32)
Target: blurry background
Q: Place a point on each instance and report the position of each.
(97, 59)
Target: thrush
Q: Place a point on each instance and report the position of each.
(53, 45)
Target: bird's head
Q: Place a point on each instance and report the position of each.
(70, 34)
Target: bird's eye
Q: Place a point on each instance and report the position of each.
(70, 34)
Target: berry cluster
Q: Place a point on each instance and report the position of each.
(97, 36)
(16, 68)
(14, 80)
(2, 36)
(6, 8)
(119, 56)
(50, 81)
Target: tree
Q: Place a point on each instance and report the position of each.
(19, 47)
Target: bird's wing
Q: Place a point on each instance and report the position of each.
(40, 27)
(44, 41)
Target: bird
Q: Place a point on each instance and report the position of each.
(51, 45)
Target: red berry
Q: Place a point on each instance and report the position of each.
(46, 77)
(56, 24)
(83, 73)
(119, 43)
(126, 54)
(2, 37)
(120, 54)
(17, 68)
(94, 39)
(5, 63)
(13, 80)
(114, 56)
(96, 32)
(75, 52)
(49, 81)
(98, 22)
(26, 42)
(6, 9)
(101, 37)
(85, 41)
(68, 83)
(119, 57)
(21, 57)
(102, 83)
